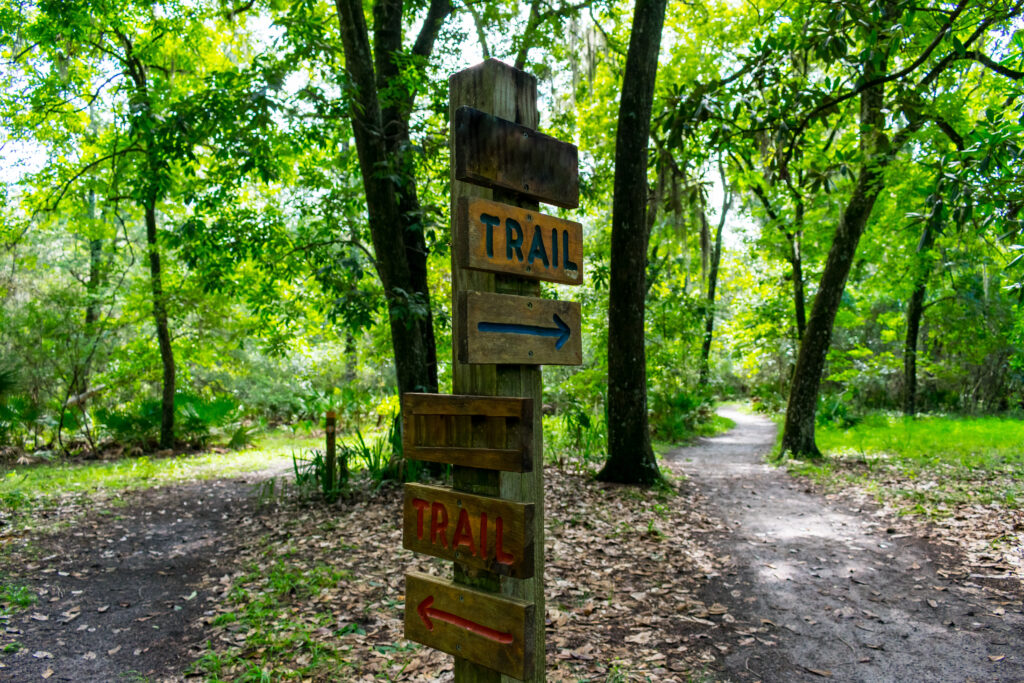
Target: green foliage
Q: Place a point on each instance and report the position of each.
(268, 267)
(311, 473)
(137, 425)
(679, 417)
(15, 598)
(929, 465)
(576, 437)
(262, 602)
(197, 418)
(835, 410)
(378, 455)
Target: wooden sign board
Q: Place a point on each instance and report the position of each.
(478, 531)
(432, 425)
(507, 329)
(495, 632)
(499, 238)
(496, 153)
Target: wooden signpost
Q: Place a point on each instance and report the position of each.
(478, 531)
(482, 628)
(506, 239)
(491, 521)
(502, 328)
(431, 424)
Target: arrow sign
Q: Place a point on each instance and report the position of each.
(492, 630)
(501, 328)
(562, 331)
(426, 611)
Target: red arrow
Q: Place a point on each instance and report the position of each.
(426, 611)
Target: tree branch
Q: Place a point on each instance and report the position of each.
(438, 12)
(948, 129)
(67, 185)
(481, 36)
(881, 80)
(982, 58)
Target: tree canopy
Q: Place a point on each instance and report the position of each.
(207, 201)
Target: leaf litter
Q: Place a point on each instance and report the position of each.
(623, 567)
(315, 592)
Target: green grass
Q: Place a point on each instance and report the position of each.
(15, 598)
(25, 488)
(277, 637)
(927, 465)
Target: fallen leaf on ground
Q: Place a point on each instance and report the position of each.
(824, 673)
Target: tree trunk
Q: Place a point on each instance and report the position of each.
(796, 262)
(163, 335)
(915, 309)
(630, 457)
(92, 293)
(716, 260)
(798, 432)
(382, 141)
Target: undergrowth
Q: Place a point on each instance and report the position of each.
(26, 489)
(270, 639)
(577, 438)
(927, 465)
(15, 598)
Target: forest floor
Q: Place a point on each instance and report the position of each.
(849, 591)
(735, 571)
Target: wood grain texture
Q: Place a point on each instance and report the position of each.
(511, 94)
(461, 404)
(498, 153)
(478, 531)
(436, 425)
(500, 238)
(507, 329)
(493, 631)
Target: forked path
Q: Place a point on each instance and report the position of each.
(821, 591)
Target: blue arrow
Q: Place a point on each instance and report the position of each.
(562, 331)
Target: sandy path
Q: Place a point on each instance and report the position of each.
(845, 599)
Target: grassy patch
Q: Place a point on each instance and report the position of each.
(928, 465)
(273, 632)
(715, 426)
(27, 488)
(15, 598)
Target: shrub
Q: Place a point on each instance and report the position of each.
(676, 417)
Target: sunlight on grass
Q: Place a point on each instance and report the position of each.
(23, 488)
(985, 442)
(927, 465)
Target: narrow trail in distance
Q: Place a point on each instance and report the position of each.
(820, 590)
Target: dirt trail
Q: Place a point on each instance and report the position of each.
(121, 592)
(844, 597)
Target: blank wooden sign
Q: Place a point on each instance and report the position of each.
(478, 531)
(500, 238)
(494, 631)
(494, 152)
(502, 328)
(488, 432)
